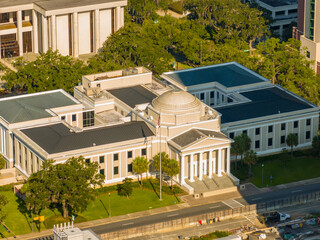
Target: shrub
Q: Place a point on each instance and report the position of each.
(177, 7)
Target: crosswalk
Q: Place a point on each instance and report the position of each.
(232, 203)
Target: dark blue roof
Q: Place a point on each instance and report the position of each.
(227, 74)
(264, 102)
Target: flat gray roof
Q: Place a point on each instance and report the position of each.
(32, 106)
(57, 138)
(227, 74)
(264, 102)
(279, 3)
(133, 96)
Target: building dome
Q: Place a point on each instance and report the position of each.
(177, 102)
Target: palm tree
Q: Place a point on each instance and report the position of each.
(236, 148)
(250, 158)
(292, 140)
(316, 144)
(171, 169)
(164, 159)
(245, 143)
(140, 165)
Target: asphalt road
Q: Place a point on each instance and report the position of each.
(198, 210)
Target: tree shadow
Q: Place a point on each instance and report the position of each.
(154, 189)
(24, 210)
(105, 207)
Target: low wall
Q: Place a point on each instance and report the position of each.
(210, 217)
(220, 191)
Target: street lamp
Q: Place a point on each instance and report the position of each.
(262, 174)
(31, 219)
(109, 206)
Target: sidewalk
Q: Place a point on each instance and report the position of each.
(189, 201)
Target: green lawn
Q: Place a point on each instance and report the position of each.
(141, 199)
(296, 169)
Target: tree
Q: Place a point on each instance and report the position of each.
(164, 160)
(250, 158)
(49, 71)
(140, 165)
(245, 143)
(2, 162)
(316, 144)
(125, 189)
(236, 148)
(292, 140)
(3, 202)
(171, 168)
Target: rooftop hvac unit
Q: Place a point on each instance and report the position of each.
(130, 71)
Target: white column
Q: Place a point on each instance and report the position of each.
(200, 166)
(44, 33)
(182, 170)
(11, 17)
(219, 163)
(228, 160)
(75, 35)
(210, 164)
(53, 33)
(35, 31)
(215, 98)
(191, 168)
(97, 29)
(118, 18)
(19, 32)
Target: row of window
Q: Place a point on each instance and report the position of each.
(116, 170)
(282, 140)
(270, 128)
(116, 156)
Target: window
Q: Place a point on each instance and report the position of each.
(74, 117)
(63, 118)
(116, 157)
(307, 134)
(270, 129)
(279, 13)
(231, 135)
(130, 154)
(98, 85)
(283, 126)
(269, 142)
(292, 11)
(143, 151)
(295, 124)
(201, 96)
(115, 170)
(212, 94)
(245, 132)
(116, 108)
(130, 167)
(87, 160)
(282, 139)
(101, 159)
(308, 123)
(102, 171)
(257, 144)
(257, 131)
(308, 54)
(230, 100)
(88, 119)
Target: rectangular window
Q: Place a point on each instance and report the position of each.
(308, 54)
(143, 151)
(230, 100)
(87, 160)
(116, 157)
(231, 135)
(283, 126)
(308, 123)
(279, 13)
(88, 119)
(201, 96)
(270, 129)
(63, 118)
(257, 144)
(74, 117)
(245, 132)
(212, 94)
(130, 167)
(295, 124)
(102, 171)
(282, 139)
(292, 11)
(257, 131)
(115, 170)
(101, 159)
(269, 142)
(130, 154)
(307, 134)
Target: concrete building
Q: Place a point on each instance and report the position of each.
(249, 103)
(308, 30)
(72, 27)
(283, 13)
(114, 117)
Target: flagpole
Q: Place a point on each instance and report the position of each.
(160, 159)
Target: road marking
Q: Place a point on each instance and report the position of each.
(125, 224)
(231, 203)
(172, 215)
(296, 191)
(238, 202)
(214, 207)
(256, 199)
(250, 220)
(227, 204)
